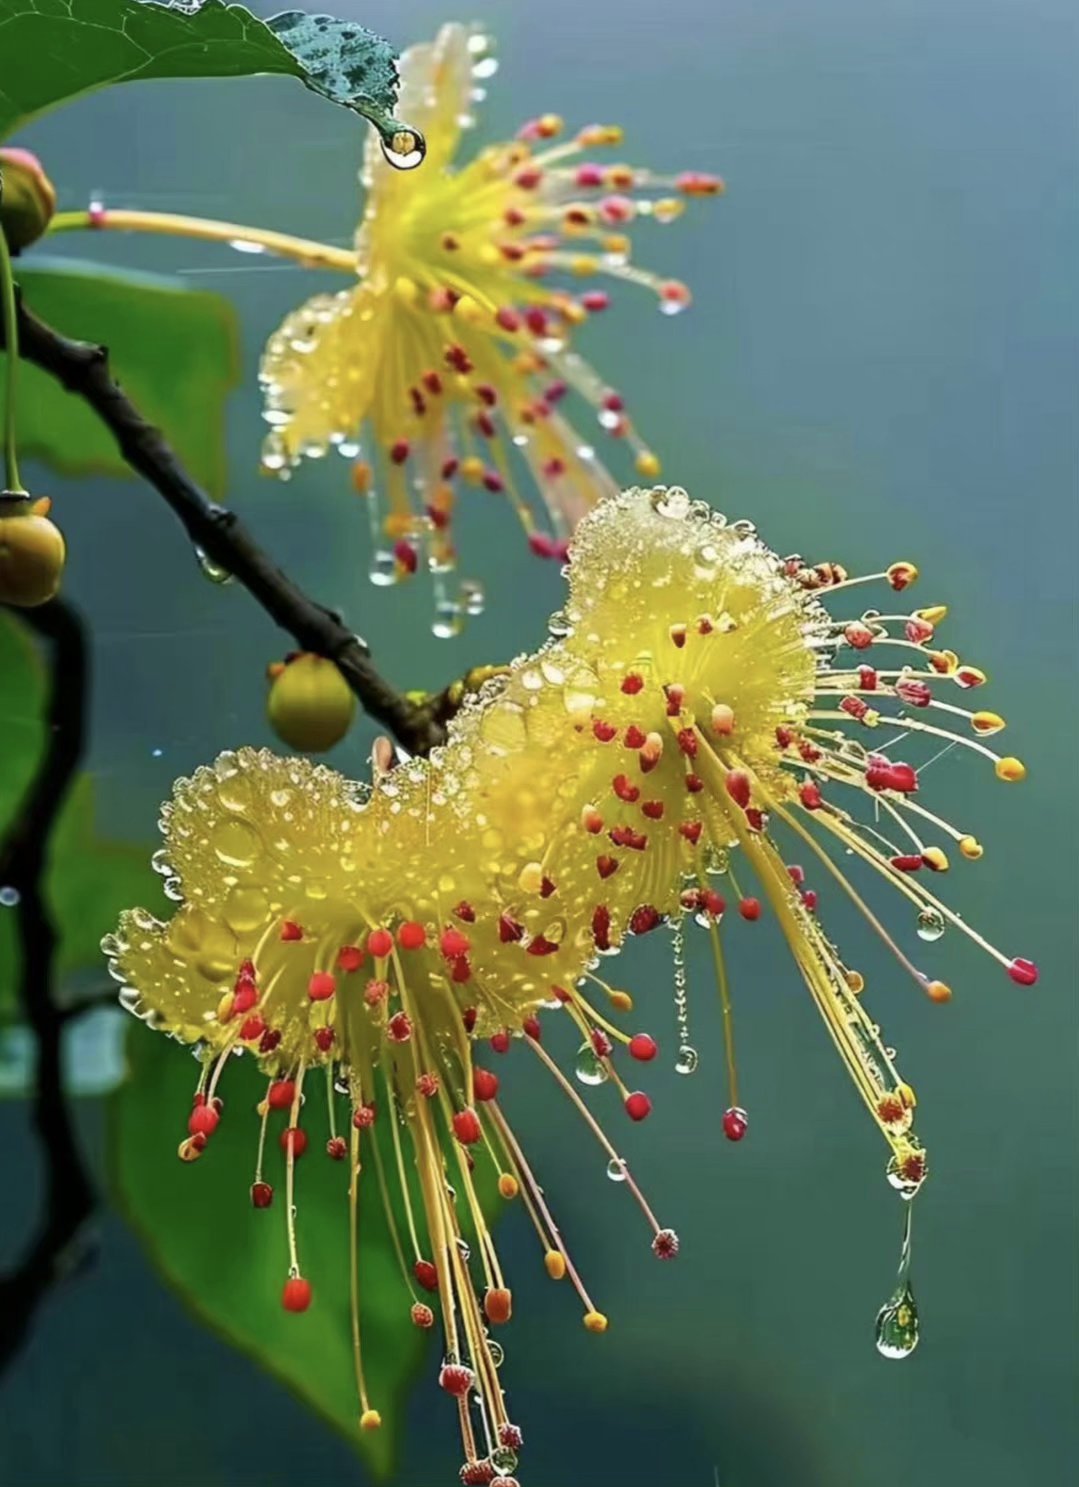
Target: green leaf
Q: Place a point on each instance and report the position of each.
(53, 51)
(173, 349)
(90, 878)
(229, 1261)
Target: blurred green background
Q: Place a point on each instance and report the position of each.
(881, 362)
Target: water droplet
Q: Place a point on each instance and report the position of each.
(504, 1459)
(897, 1325)
(403, 148)
(559, 624)
(930, 924)
(616, 1169)
(463, 1250)
(588, 1067)
(9, 896)
(211, 570)
(244, 245)
(687, 1061)
(472, 596)
(447, 620)
(383, 569)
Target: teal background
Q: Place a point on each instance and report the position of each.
(881, 361)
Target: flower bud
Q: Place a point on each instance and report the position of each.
(29, 198)
(310, 705)
(31, 551)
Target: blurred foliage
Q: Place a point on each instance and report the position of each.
(174, 350)
(90, 878)
(54, 53)
(230, 1261)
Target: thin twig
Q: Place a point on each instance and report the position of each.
(83, 369)
(69, 1196)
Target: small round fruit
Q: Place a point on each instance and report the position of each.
(310, 706)
(32, 552)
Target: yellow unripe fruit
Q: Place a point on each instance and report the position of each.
(310, 706)
(555, 1262)
(971, 848)
(32, 552)
(1011, 769)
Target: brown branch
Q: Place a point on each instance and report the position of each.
(69, 1196)
(83, 369)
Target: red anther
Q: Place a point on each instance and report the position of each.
(433, 383)
(547, 887)
(321, 986)
(601, 1044)
(687, 742)
(478, 1474)
(297, 1294)
(465, 912)
(653, 809)
(245, 998)
(677, 635)
(493, 482)
(750, 908)
(917, 694)
(422, 1316)
(624, 789)
(878, 772)
(460, 970)
(712, 902)
(591, 820)
(642, 1047)
(561, 993)
(796, 874)
(694, 784)
(784, 737)
(379, 943)
(536, 320)
(508, 319)
(291, 931)
(554, 393)
(969, 676)
(512, 1436)
(735, 1123)
(426, 1274)
(590, 177)
(406, 555)
(399, 451)
(486, 394)
(899, 575)
(363, 1117)
(427, 1085)
(468, 1019)
(676, 696)
(705, 624)
(738, 786)
(665, 1244)
(867, 678)
(202, 1121)
(809, 752)
(269, 1040)
(337, 1148)
(532, 1029)
(601, 927)
(509, 929)
(633, 738)
(399, 1027)
(500, 1041)
(246, 971)
(324, 1039)
(595, 300)
(454, 944)
(644, 918)
(554, 467)
(410, 935)
(907, 862)
(918, 631)
(754, 818)
(810, 796)
(540, 945)
(858, 635)
(197, 1099)
(1023, 972)
(638, 1105)
(606, 866)
(458, 358)
(699, 183)
(691, 830)
(904, 778)
(281, 1094)
(484, 1084)
(855, 707)
(349, 958)
(261, 1194)
(456, 1379)
(625, 836)
(632, 683)
(252, 1028)
(528, 178)
(375, 992)
(604, 731)
(294, 1140)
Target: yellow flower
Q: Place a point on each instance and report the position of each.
(692, 728)
(452, 358)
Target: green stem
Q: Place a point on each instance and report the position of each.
(11, 337)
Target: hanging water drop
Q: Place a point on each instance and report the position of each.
(215, 572)
(472, 596)
(930, 924)
(897, 1321)
(687, 1061)
(588, 1066)
(616, 1169)
(383, 569)
(403, 148)
(447, 620)
(9, 897)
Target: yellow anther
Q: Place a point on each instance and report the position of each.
(938, 991)
(573, 313)
(399, 524)
(405, 290)
(933, 615)
(189, 1150)
(1011, 769)
(488, 255)
(555, 1262)
(934, 858)
(530, 878)
(906, 1094)
(986, 723)
(274, 669)
(548, 125)
(224, 1007)
(370, 1420)
(621, 1001)
(618, 244)
(467, 310)
(472, 469)
(595, 1321)
(583, 265)
(668, 208)
(856, 982)
(508, 1185)
(362, 476)
(262, 1108)
(946, 662)
(971, 848)
(648, 466)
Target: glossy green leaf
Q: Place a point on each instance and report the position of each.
(230, 1260)
(52, 51)
(173, 349)
(90, 878)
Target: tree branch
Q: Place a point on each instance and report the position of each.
(69, 1197)
(83, 369)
